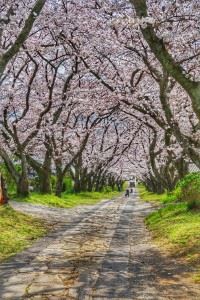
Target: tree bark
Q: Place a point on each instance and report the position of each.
(45, 175)
(23, 183)
(159, 49)
(23, 35)
(89, 183)
(20, 178)
(23, 187)
(183, 140)
(59, 184)
(43, 171)
(3, 192)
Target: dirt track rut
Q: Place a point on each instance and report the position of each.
(95, 252)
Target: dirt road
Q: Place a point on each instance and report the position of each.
(95, 252)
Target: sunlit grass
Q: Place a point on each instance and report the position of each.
(196, 277)
(175, 228)
(17, 231)
(68, 200)
(150, 197)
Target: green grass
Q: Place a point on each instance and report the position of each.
(68, 200)
(196, 277)
(151, 197)
(175, 228)
(17, 231)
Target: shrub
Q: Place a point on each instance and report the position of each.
(189, 190)
(53, 182)
(177, 193)
(108, 189)
(68, 184)
(193, 204)
(35, 183)
(10, 184)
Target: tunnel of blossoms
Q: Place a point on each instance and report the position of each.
(99, 89)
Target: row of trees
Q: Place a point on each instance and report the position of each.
(94, 89)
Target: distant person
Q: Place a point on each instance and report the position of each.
(131, 190)
(127, 193)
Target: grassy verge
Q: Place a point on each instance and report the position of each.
(155, 198)
(68, 200)
(175, 228)
(150, 197)
(17, 231)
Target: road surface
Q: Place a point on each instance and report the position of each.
(95, 252)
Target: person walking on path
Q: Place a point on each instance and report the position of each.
(127, 193)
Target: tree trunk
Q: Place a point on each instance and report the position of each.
(3, 192)
(23, 184)
(89, 183)
(45, 175)
(59, 185)
(23, 187)
(119, 186)
(22, 36)
(97, 186)
(43, 171)
(76, 178)
(83, 180)
(77, 186)
(169, 64)
(45, 182)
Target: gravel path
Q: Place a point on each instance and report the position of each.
(95, 252)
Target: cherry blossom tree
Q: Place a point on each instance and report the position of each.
(11, 40)
(93, 89)
(16, 22)
(164, 27)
